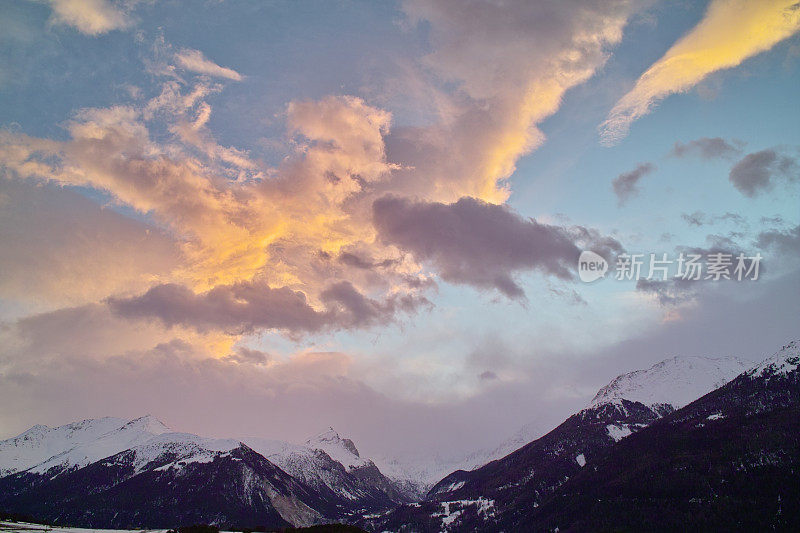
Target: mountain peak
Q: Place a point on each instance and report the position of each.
(37, 429)
(676, 381)
(783, 361)
(330, 437)
(149, 424)
(342, 450)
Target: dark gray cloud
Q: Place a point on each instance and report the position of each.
(670, 292)
(677, 290)
(244, 355)
(784, 242)
(777, 220)
(707, 148)
(482, 244)
(698, 218)
(757, 172)
(487, 375)
(250, 306)
(716, 244)
(356, 261)
(626, 185)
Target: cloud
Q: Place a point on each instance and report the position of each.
(670, 292)
(677, 291)
(483, 244)
(94, 332)
(195, 61)
(246, 307)
(784, 242)
(487, 375)
(757, 172)
(730, 32)
(511, 64)
(698, 218)
(626, 185)
(91, 17)
(707, 148)
(59, 248)
(235, 218)
(244, 355)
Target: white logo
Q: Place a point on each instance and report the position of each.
(591, 266)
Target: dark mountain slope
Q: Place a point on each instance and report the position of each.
(727, 460)
(239, 487)
(523, 477)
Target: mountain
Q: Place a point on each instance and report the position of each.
(329, 463)
(417, 473)
(667, 385)
(151, 476)
(535, 471)
(674, 382)
(728, 461)
(339, 449)
(41, 448)
(642, 455)
(173, 479)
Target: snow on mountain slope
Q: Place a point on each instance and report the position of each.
(783, 361)
(676, 382)
(523, 436)
(295, 459)
(41, 448)
(340, 450)
(315, 468)
(417, 473)
(179, 448)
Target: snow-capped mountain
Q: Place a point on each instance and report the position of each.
(784, 361)
(340, 450)
(416, 473)
(419, 473)
(331, 463)
(73, 445)
(94, 465)
(537, 469)
(674, 382)
(725, 462)
(662, 388)
(174, 479)
(113, 472)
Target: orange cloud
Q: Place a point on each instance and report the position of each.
(731, 31)
(92, 17)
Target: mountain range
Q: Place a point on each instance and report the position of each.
(681, 420)
(727, 460)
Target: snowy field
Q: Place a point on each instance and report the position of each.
(25, 527)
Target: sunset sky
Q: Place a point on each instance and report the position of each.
(267, 218)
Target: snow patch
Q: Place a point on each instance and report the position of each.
(453, 509)
(618, 432)
(451, 487)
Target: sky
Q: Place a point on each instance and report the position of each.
(267, 218)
